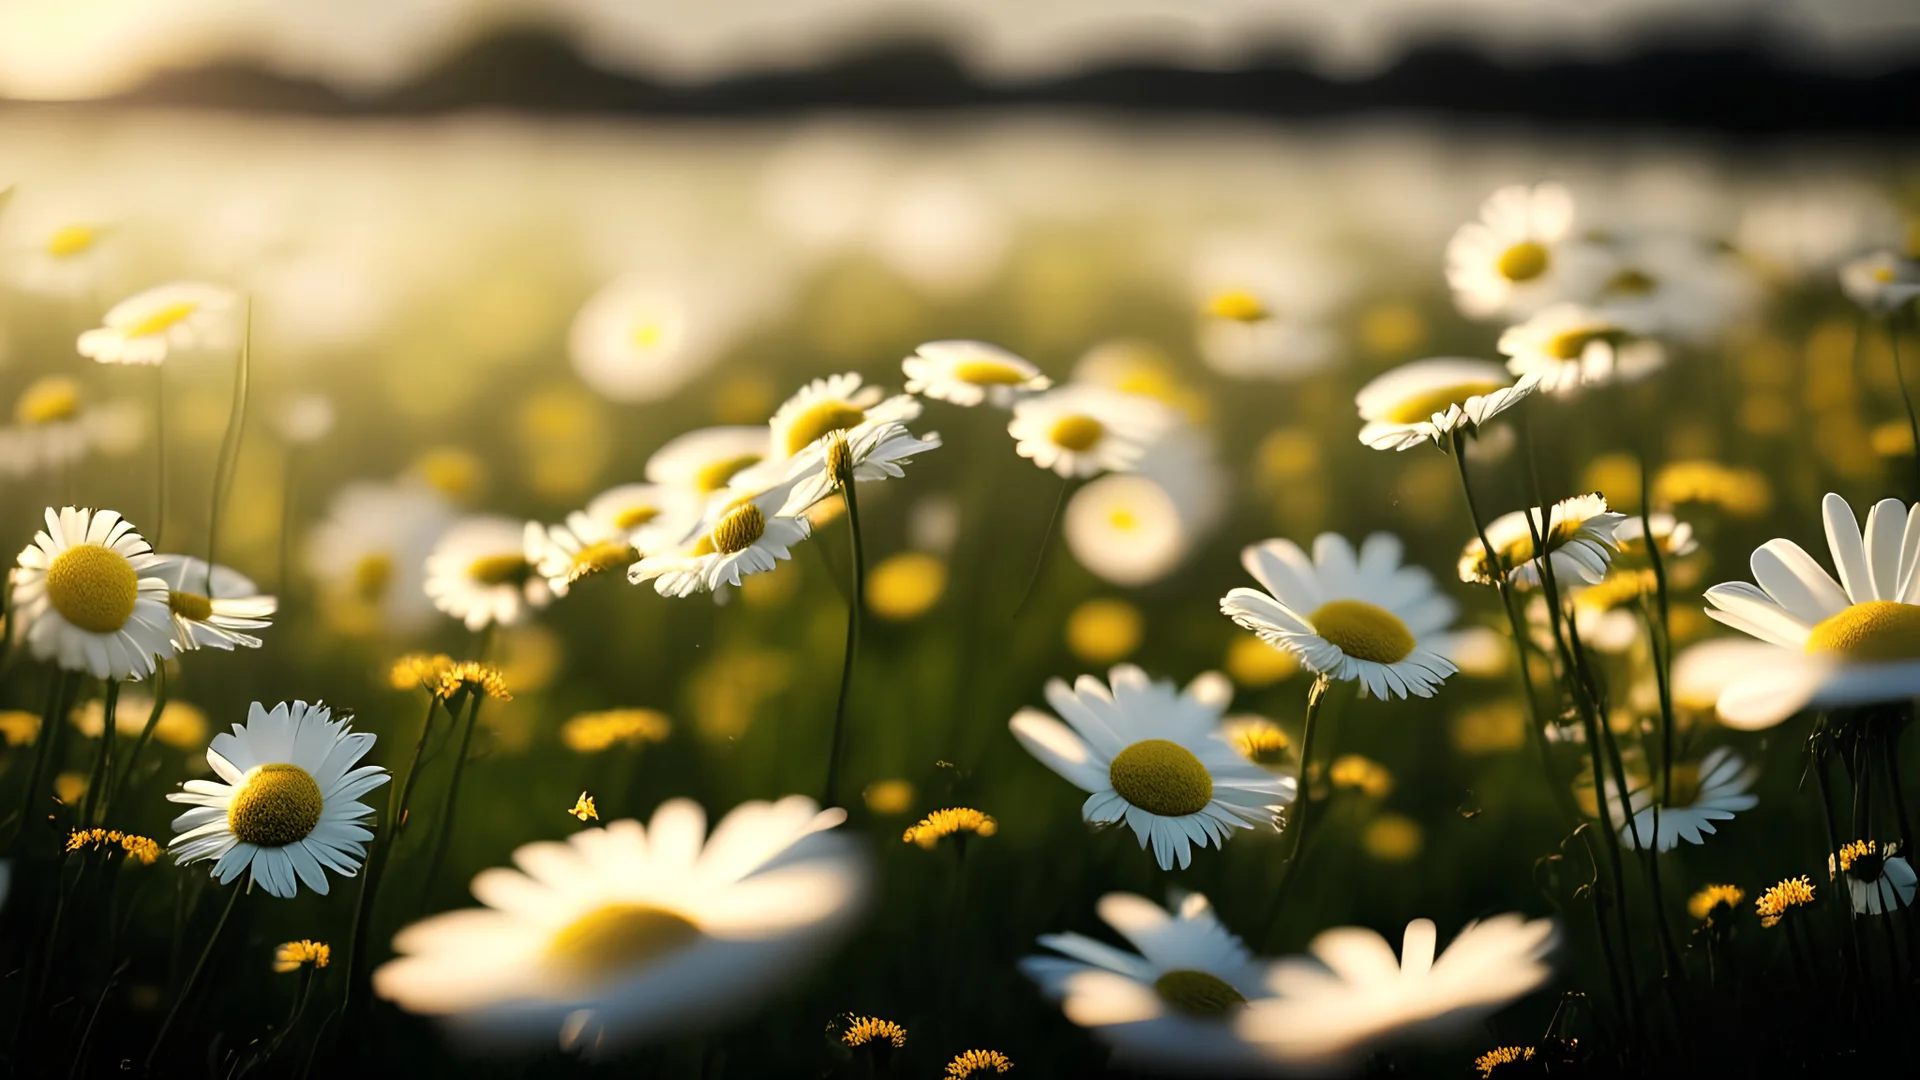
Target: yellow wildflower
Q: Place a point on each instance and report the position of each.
(954, 821)
(138, 848)
(592, 732)
(978, 1062)
(295, 954)
(583, 808)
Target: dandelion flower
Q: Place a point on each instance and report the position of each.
(1491, 1061)
(1880, 282)
(1361, 617)
(958, 821)
(87, 595)
(285, 807)
(583, 808)
(1521, 255)
(863, 1031)
(1713, 899)
(1744, 493)
(472, 677)
(978, 1063)
(1879, 881)
(416, 670)
(970, 372)
(294, 955)
(1776, 902)
(1713, 789)
(479, 573)
(138, 848)
(1080, 430)
(740, 536)
(1569, 346)
(1153, 757)
(634, 932)
(592, 732)
(1428, 400)
(150, 326)
(1578, 534)
(212, 609)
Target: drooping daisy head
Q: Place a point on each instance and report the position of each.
(1712, 789)
(479, 573)
(970, 372)
(212, 608)
(1521, 255)
(148, 327)
(1363, 617)
(1879, 879)
(706, 460)
(1126, 528)
(1672, 536)
(1431, 399)
(1577, 534)
(87, 595)
(1079, 430)
(581, 547)
(1169, 1005)
(868, 452)
(740, 534)
(1154, 757)
(1569, 346)
(1880, 282)
(634, 932)
(285, 807)
(648, 516)
(835, 403)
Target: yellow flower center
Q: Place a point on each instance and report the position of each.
(93, 587)
(1161, 778)
(596, 558)
(1364, 631)
(190, 606)
(633, 517)
(1264, 745)
(1238, 305)
(988, 373)
(1572, 344)
(276, 805)
(1123, 520)
(501, 569)
(616, 938)
(70, 240)
(1523, 261)
(48, 401)
(1422, 406)
(162, 319)
(1077, 433)
(734, 533)
(1875, 630)
(371, 575)
(1630, 282)
(647, 335)
(1883, 274)
(1197, 993)
(820, 420)
(713, 477)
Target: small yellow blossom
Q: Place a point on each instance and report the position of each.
(1704, 903)
(904, 586)
(138, 848)
(1104, 630)
(473, 677)
(583, 808)
(977, 1063)
(452, 471)
(1744, 493)
(592, 732)
(1362, 774)
(1259, 740)
(872, 1031)
(1774, 904)
(1501, 1055)
(18, 727)
(417, 670)
(889, 796)
(294, 954)
(1393, 838)
(954, 821)
(69, 787)
(1254, 664)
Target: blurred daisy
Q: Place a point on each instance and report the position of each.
(1079, 430)
(1880, 282)
(479, 573)
(581, 547)
(970, 372)
(372, 547)
(212, 610)
(1568, 346)
(631, 342)
(51, 428)
(874, 451)
(1352, 994)
(56, 252)
(1171, 1004)
(1577, 532)
(304, 419)
(1520, 255)
(1677, 287)
(1673, 536)
(1126, 529)
(707, 460)
(1878, 881)
(150, 326)
(1430, 399)
(1153, 757)
(181, 725)
(649, 516)
(1605, 613)
(741, 536)
(635, 932)
(1361, 617)
(835, 403)
(285, 808)
(1850, 642)
(1265, 307)
(1710, 790)
(87, 595)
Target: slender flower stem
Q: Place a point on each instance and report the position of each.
(102, 776)
(1822, 735)
(375, 871)
(159, 454)
(855, 601)
(287, 477)
(1046, 546)
(1301, 816)
(186, 988)
(1900, 376)
(229, 444)
(445, 836)
(146, 736)
(61, 687)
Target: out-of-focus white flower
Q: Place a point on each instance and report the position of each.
(372, 548)
(1428, 400)
(1568, 346)
(148, 327)
(52, 428)
(1577, 533)
(56, 250)
(945, 233)
(1521, 255)
(1677, 287)
(1880, 282)
(969, 372)
(304, 419)
(638, 339)
(706, 460)
(1125, 529)
(479, 572)
(1080, 430)
(1265, 310)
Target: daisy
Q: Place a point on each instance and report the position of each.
(58, 252)
(87, 595)
(1430, 399)
(579, 548)
(636, 341)
(1878, 881)
(1521, 255)
(1850, 642)
(635, 932)
(52, 429)
(1170, 1005)
(1265, 307)
(1154, 757)
(970, 372)
(1880, 282)
(479, 573)
(824, 406)
(874, 451)
(285, 807)
(1568, 346)
(1352, 994)
(1364, 617)
(212, 610)
(1079, 430)
(148, 327)
(1674, 537)
(1578, 534)
(741, 535)
(371, 549)
(649, 516)
(707, 460)
(1677, 287)
(1711, 790)
(1126, 529)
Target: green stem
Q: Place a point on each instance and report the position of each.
(1046, 547)
(1301, 814)
(854, 602)
(61, 687)
(186, 988)
(159, 454)
(447, 807)
(229, 445)
(146, 736)
(102, 776)
(377, 862)
(1900, 376)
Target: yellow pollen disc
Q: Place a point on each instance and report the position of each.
(1076, 433)
(1197, 993)
(1875, 630)
(48, 401)
(1238, 305)
(70, 240)
(498, 569)
(614, 939)
(162, 319)
(737, 531)
(1422, 406)
(819, 420)
(1572, 344)
(1364, 631)
(647, 335)
(634, 516)
(93, 587)
(191, 606)
(371, 576)
(1630, 282)
(713, 477)
(1123, 520)
(1883, 274)
(276, 805)
(604, 555)
(1161, 778)
(1523, 261)
(988, 373)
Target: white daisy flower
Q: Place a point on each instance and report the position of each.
(1170, 1005)
(1879, 882)
(1713, 789)
(371, 549)
(150, 326)
(1578, 533)
(824, 406)
(1366, 618)
(635, 932)
(1154, 757)
(52, 428)
(708, 459)
(875, 451)
(480, 573)
(1568, 346)
(1850, 642)
(1265, 306)
(1674, 537)
(285, 808)
(212, 610)
(1427, 400)
(1080, 430)
(1353, 995)
(1521, 255)
(970, 372)
(1126, 529)
(636, 340)
(1677, 287)
(87, 595)
(58, 251)
(649, 516)
(1880, 282)
(740, 535)
(580, 547)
